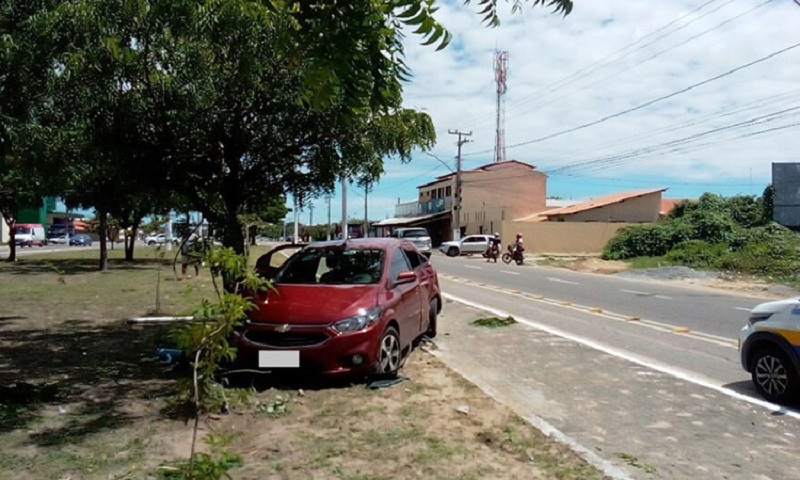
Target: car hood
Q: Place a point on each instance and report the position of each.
(312, 304)
(450, 244)
(776, 306)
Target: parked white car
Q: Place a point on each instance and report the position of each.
(466, 246)
(159, 239)
(769, 346)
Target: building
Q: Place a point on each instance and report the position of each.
(786, 203)
(585, 227)
(490, 195)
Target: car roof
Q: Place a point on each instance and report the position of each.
(382, 243)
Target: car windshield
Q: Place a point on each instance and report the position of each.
(22, 230)
(420, 232)
(332, 266)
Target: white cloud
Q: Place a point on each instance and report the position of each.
(456, 86)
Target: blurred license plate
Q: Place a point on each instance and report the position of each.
(278, 359)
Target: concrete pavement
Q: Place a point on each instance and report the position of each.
(630, 420)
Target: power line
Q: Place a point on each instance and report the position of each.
(652, 57)
(650, 102)
(562, 82)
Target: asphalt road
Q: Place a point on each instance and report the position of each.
(644, 377)
(702, 310)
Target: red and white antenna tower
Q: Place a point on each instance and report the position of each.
(500, 73)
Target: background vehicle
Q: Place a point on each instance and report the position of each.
(380, 296)
(81, 240)
(416, 235)
(62, 239)
(159, 238)
(467, 245)
(769, 346)
(513, 254)
(29, 234)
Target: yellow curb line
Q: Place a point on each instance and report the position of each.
(680, 330)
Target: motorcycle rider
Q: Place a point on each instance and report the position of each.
(519, 248)
(494, 247)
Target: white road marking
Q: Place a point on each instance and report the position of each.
(510, 273)
(745, 309)
(663, 297)
(635, 292)
(558, 280)
(633, 358)
(473, 267)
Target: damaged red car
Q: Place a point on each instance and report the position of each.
(343, 307)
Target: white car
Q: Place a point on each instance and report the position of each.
(769, 347)
(466, 246)
(160, 239)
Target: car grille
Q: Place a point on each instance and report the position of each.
(285, 340)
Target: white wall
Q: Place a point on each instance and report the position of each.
(3, 231)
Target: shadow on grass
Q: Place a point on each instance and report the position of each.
(96, 371)
(76, 266)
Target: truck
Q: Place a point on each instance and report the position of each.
(418, 236)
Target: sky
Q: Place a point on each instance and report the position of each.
(693, 96)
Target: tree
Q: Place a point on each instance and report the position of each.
(24, 73)
(236, 103)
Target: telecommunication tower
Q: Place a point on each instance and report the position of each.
(500, 73)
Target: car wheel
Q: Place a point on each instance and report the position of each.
(433, 312)
(452, 252)
(773, 375)
(390, 356)
(151, 243)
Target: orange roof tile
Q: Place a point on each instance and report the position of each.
(603, 201)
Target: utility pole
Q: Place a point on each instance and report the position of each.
(366, 222)
(457, 206)
(296, 221)
(344, 208)
(500, 75)
(311, 215)
(328, 235)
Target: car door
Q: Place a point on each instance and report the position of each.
(407, 296)
(417, 261)
(472, 244)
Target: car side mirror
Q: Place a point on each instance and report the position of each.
(405, 277)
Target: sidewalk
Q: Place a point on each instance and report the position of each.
(629, 421)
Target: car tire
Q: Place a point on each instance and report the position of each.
(774, 375)
(433, 312)
(151, 243)
(390, 355)
(452, 252)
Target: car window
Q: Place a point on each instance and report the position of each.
(420, 232)
(413, 258)
(332, 266)
(398, 264)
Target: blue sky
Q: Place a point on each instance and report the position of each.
(605, 58)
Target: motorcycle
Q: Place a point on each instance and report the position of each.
(491, 253)
(513, 254)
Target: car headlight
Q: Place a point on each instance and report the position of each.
(756, 317)
(363, 319)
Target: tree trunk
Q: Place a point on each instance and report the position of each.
(130, 242)
(103, 228)
(12, 234)
(252, 230)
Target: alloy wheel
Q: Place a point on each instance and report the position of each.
(389, 355)
(771, 375)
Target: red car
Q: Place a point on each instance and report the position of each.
(352, 307)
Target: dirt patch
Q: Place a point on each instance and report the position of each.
(586, 264)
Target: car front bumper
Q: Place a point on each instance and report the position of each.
(321, 349)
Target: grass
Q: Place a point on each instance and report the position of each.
(494, 322)
(83, 396)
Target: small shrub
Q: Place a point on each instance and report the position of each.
(698, 254)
